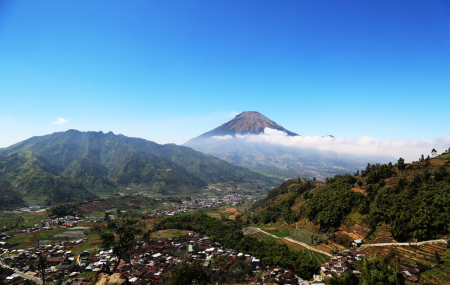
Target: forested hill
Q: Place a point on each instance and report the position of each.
(404, 201)
(90, 162)
(9, 198)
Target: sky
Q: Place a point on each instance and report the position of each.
(168, 71)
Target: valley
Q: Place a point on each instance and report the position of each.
(316, 222)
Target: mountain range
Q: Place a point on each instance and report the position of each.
(73, 165)
(229, 142)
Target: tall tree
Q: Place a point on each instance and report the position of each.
(433, 153)
(120, 234)
(240, 270)
(401, 164)
(42, 263)
(188, 272)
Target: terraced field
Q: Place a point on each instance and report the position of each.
(262, 236)
(305, 223)
(424, 254)
(303, 235)
(380, 235)
(281, 229)
(328, 247)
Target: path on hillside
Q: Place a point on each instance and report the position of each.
(307, 246)
(252, 230)
(403, 243)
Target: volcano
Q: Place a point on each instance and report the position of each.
(246, 123)
(231, 143)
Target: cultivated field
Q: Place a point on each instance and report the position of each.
(424, 254)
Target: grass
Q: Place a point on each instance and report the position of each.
(262, 226)
(86, 275)
(279, 233)
(268, 238)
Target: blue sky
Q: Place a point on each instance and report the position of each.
(168, 71)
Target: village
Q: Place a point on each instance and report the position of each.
(148, 263)
(151, 262)
(199, 203)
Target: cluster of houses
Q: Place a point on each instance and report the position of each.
(67, 221)
(345, 260)
(341, 262)
(60, 261)
(4, 236)
(410, 272)
(196, 203)
(31, 208)
(148, 263)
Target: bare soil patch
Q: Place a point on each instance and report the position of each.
(232, 210)
(359, 190)
(90, 206)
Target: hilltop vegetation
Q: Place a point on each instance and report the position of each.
(72, 166)
(409, 200)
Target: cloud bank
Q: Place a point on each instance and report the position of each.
(410, 150)
(60, 121)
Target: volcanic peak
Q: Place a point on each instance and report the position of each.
(249, 122)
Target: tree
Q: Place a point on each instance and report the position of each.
(401, 164)
(219, 261)
(382, 270)
(422, 158)
(240, 270)
(188, 272)
(42, 262)
(120, 234)
(433, 153)
(348, 279)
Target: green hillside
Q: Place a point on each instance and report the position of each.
(10, 199)
(402, 202)
(72, 165)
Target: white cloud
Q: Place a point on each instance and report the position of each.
(60, 121)
(227, 137)
(8, 118)
(410, 150)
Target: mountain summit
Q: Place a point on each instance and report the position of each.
(249, 122)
